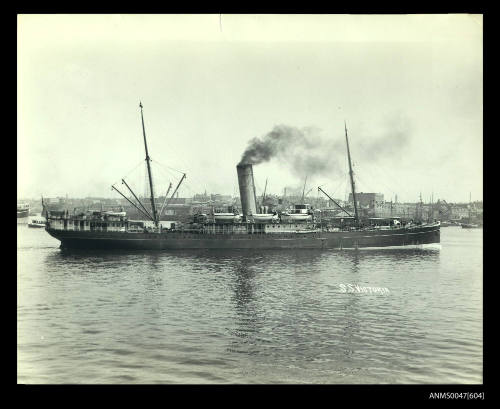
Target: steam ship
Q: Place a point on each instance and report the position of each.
(297, 228)
(23, 210)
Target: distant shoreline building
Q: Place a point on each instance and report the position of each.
(369, 205)
(367, 200)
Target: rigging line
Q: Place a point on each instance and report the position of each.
(123, 177)
(371, 171)
(196, 183)
(342, 177)
(342, 183)
(130, 198)
(161, 183)
(177, 155)
(385, 174)
(338, 188)
(371, 188)
(186, 164)
(188, 188)
(186, 185)
(198, 187)
(364, 184)
(161, 164)
(192, 176)
(333, 192)
(201, 183)
(381, 179)
(382, 175)
(166, 174)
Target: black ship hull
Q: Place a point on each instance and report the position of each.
(181, 240)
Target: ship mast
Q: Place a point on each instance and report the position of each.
(352, 178)
(304, 190)
(470, 204)
(264, 194)
(148, 160)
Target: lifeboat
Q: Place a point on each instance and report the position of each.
(299, 213)
(296, 216)
(226, 217)
(116, 214)
(264, 217)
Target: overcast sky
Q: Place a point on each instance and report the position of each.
(409, 88)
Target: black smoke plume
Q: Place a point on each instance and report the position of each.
(305, 151)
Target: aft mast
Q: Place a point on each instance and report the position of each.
(148, 160)
(352, 178)
(470, 205)
(304, 190)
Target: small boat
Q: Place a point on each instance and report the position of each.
(37, 223)
(470, 226)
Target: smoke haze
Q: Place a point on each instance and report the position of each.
(308, 152)
(392, 138)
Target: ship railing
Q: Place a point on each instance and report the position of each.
(368, 228)
(88, 217)
(209, 231)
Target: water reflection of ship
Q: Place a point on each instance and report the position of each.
(449, 223)
(246, 308)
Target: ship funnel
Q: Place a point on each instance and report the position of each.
(247, 189)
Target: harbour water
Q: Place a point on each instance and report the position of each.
(402, 316)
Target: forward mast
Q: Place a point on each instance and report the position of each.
(148, 160)
(356, 218)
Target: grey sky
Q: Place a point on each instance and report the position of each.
(409, 87)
